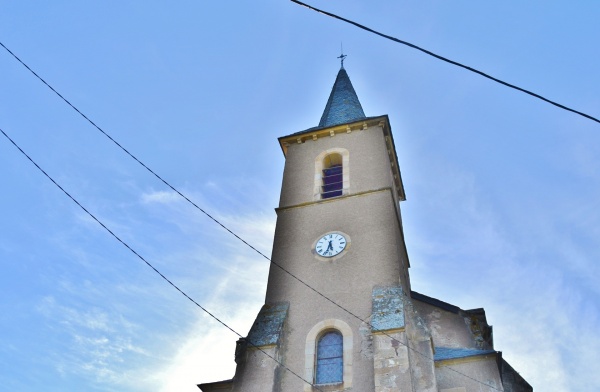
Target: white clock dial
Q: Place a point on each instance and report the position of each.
(331, 244)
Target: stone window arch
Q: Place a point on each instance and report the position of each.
(327, 332)
(332, 173)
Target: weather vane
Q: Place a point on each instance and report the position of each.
(342, 56)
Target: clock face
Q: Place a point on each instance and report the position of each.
(331, 244)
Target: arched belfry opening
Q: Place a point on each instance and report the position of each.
(333, 176)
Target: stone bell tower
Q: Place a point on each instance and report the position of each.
(339, 312)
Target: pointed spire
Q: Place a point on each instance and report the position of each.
(343, 105)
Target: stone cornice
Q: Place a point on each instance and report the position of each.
(333, 199)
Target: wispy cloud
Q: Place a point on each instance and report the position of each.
(206, 353)
(161, 197)
(529, 272)
(205, 350)
(100, 343)
(116, 347)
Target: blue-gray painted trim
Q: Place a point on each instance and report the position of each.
(445, 353)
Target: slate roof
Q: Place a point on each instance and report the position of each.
(268, 325)
(343, 105)
(444, 353)
(435, 302)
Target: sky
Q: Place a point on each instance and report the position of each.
(503, 190)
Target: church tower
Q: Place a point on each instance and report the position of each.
(339, 313)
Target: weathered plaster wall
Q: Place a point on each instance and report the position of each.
(372, 257)
(390, 344)
(391, 363)
(481, 368)
(256, 372)
(447, 329)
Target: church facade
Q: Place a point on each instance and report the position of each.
(339, 312)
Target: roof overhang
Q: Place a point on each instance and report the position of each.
(225, 385)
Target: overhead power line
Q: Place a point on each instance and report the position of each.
(437, 56)
(115, 236)
(212, 218)
(126, 245)
(175, 189)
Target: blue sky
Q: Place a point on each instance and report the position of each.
(503, 191)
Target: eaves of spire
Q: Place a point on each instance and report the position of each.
(343, 105)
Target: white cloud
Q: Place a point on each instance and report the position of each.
(92, 319)
(98, 344)
(161, 197)
(532, 273)
(257, 230)
(206, 352)
(101, 341)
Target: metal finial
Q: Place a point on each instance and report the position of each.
(342, 56)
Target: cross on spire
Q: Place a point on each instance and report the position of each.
(342, 56)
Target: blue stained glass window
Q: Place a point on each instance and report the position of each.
(333, 182)
(330, 358)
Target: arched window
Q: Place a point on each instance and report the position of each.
(330, 358)
(332, 173)
(316, 360)
(333, 176)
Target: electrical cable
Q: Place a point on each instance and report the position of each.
(216, 221)
(146, 261)
(437, 56)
